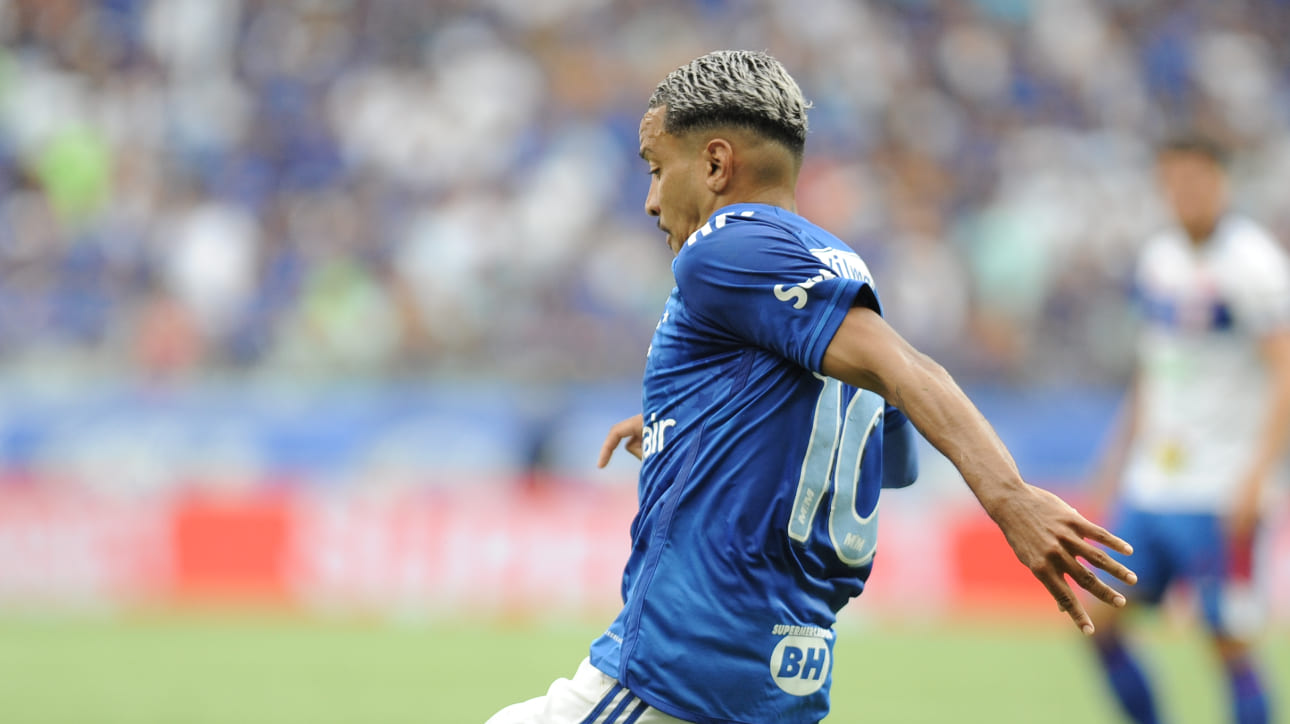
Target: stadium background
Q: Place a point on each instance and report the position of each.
(313, 314)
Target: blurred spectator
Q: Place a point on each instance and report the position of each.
(394, 187)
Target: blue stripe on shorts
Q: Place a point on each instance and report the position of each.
(604, 702)
(618, 710)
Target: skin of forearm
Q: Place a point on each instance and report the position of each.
(941, 412)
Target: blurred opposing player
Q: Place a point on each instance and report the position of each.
(767, 434)
(1205, 421)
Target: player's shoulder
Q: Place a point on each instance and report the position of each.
(764, 239)
(1238, 243)
(1247, 241)
(748, 237)
(1246, 253)
(735, 223)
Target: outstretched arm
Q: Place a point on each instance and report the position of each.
(1048, 536)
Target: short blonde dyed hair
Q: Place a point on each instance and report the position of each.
(740, 88)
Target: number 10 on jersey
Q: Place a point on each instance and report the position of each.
(834, 456)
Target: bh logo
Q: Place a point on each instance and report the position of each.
(800, 664)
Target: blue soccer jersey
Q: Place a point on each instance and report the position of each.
(760, 478)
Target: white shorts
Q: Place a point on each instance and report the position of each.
(589, 698)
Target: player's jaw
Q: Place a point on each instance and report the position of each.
(677, 211)
(680, 203)
(666, 224)
(664, 219)
(673, 242)
(653, 208)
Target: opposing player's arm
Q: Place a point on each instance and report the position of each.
(1259, 298)
(1274, 348)
(1047, 535)
(1115, 451)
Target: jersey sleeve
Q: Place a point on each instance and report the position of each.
(764, 288)
(1259, 292)
(899, 450)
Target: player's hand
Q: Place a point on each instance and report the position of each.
(631, 430)
(1244, 516)
(1050, 537)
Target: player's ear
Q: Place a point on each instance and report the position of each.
(719, 156)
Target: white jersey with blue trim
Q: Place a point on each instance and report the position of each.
(760, 478)
(1202, 383)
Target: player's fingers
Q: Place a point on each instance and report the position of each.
(1089, 581)
(1099, 558)
(1095, 532)
(629, 429)
(1081, 619)
(1066, 600)
(1067, 565)
(611, 444)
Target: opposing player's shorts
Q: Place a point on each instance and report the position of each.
(1194, 549)
(590, 697)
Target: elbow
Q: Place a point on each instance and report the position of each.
(928, 365)
(922, 378)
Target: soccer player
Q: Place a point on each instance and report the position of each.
(773, 400)
(1204, 422)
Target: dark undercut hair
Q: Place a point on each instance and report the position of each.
(739, 88)
(1194, 143)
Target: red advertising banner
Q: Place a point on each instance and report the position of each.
(492, 551)
(78, 548)
(486, 550)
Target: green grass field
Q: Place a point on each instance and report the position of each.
(191, 668)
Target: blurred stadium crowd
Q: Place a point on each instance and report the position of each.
(304, 253)
(403, 189)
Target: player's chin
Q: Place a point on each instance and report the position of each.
(674, 242)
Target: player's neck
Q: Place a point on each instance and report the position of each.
(784, 198)
(1199, 234)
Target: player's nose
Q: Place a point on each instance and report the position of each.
(651, 200)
